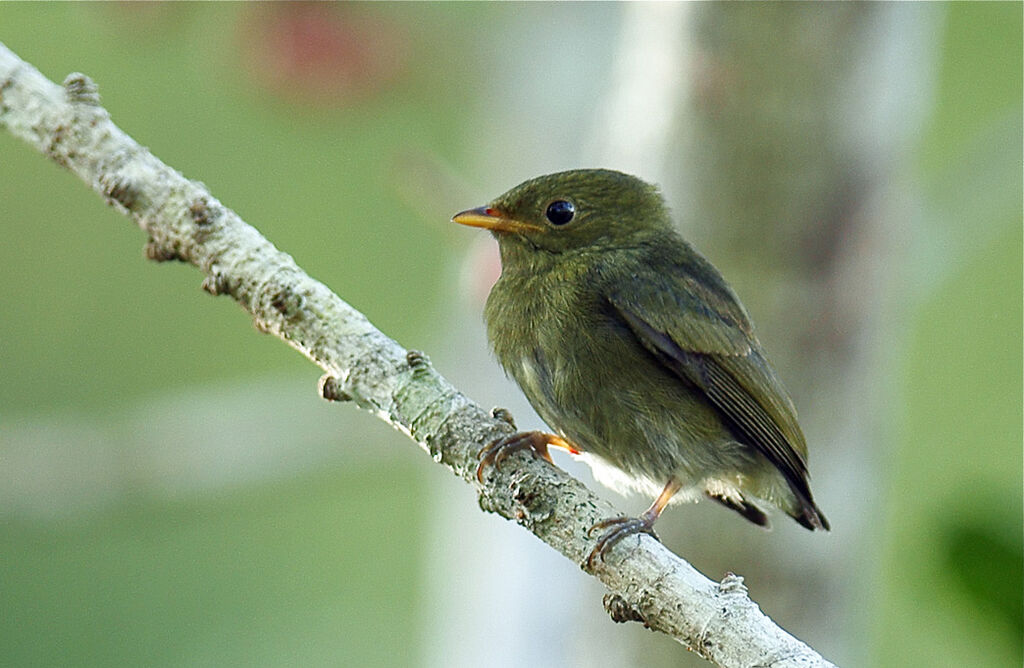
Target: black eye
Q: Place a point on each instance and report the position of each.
(560, 212)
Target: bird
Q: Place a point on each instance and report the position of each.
(636, 352)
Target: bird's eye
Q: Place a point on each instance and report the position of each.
(560, 212)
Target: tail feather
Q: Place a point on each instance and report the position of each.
(809, 515)
(805, 512)
(744, 508)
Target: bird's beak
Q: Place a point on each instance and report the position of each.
(492, 219)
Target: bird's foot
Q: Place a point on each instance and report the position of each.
(617, 528)
(537, 442)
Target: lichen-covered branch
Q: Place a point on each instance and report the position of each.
(185, 222)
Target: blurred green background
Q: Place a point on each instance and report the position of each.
(172, 492)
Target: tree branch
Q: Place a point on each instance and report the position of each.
(185, 222)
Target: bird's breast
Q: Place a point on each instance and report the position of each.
(536, 324)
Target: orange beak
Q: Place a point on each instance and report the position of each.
(492, 219)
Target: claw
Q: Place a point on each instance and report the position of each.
(618, 528)
(498, 450)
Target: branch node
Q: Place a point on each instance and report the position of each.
(503, 414)
(200, 212)
(622, 611)
(418, 360)
(158, 252)
(330, 389)
(80, 89)
(732, 584)
(216, 284)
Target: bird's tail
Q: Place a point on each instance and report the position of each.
(808, 514)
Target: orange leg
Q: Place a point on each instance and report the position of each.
(536, 441)
(620, 527)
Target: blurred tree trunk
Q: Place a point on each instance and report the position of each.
(793, 131)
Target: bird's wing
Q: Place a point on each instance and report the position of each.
(699, 316)
(693, 323)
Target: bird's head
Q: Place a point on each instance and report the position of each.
(579, 209)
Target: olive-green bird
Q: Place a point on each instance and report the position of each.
(635, 350)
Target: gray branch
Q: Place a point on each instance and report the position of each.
(647, 582)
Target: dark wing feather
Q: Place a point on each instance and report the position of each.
(696, 327)
(697, 315)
